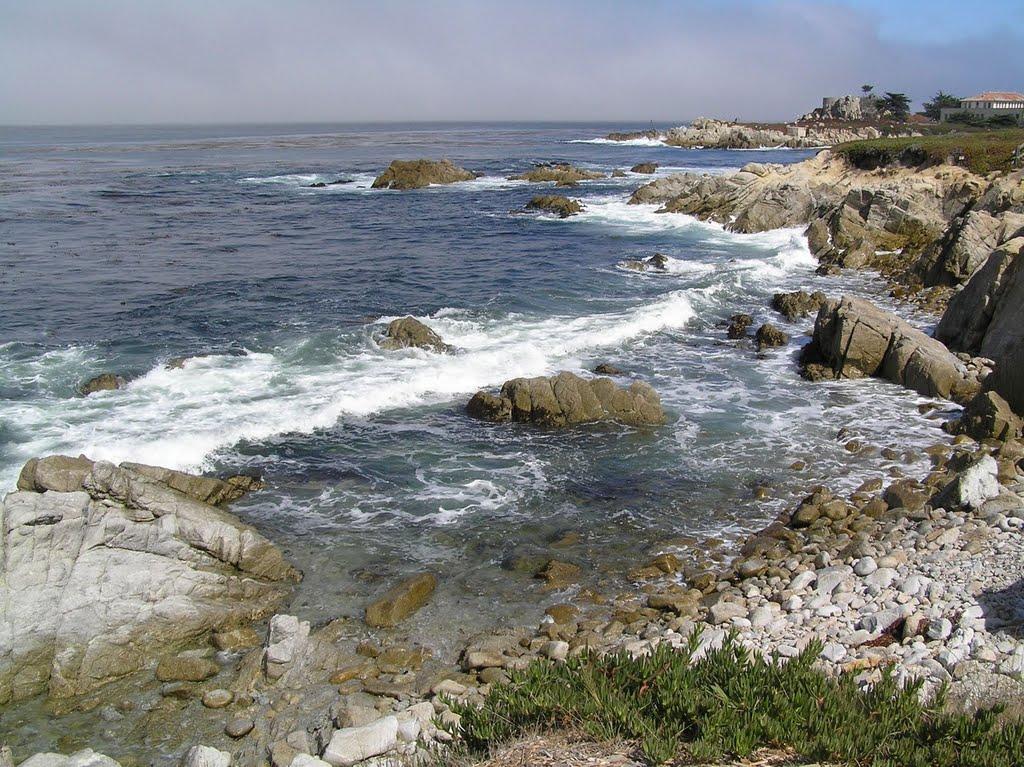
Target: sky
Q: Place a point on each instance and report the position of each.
(180, 61)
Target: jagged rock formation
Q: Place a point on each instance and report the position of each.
(567, 399)
(107, 569)
(854, 339)
(409, 331)
(415, 174)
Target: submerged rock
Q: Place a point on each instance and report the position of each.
(102, 382)
(567, 399)
(658, 262)
(409, 331)
(853, 339)
(118, 573)
(560, 173)
(401, 601)
(416, 174)
(644, 167)
(553, 203)
(606, 369)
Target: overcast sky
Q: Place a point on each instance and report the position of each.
(142, 61)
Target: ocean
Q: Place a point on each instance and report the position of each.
(122, 248)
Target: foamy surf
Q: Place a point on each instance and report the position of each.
(178, 418)
(353, 182)
(628, 142)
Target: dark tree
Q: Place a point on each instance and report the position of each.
(866, 89)
(933, 109)
(896, 105)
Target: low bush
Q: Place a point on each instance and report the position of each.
(980, 152)
(728, 704)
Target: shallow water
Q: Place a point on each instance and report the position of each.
(125, 247)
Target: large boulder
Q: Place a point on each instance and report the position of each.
(567, 399)
(415, 174)
(989, 416)
(101, 581)
(64, 474)
(409, 331)
(853, 339)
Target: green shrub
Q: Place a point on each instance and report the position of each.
(980, 152)
(728, 704)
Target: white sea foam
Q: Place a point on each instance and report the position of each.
(177, 418)
(360, 181)
(628, 142)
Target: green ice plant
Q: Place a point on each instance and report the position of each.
(729, 703)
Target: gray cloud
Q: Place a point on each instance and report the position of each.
(258, 60)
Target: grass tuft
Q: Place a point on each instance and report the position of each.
(728, 705)
(981, 152)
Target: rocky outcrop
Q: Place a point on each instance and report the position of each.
(107, 569)
(739, 325)
(768, 336)
(986, 317)
(633, 135)
(705, 133)
(102, 382)
(401, 601)
(853, 339)
(409, 331)
(563, 174)
(562, 207)
(797, 304)
(64, 474)
(644, 167)
(567, 399)
(415, 174)
(929, 226)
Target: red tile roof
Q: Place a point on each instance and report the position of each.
(996, 96)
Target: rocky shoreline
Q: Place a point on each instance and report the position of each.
(919, 575)
(707, 133)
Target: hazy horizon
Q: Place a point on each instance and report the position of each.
(116, 62)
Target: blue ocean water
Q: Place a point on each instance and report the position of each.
(125, 247)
